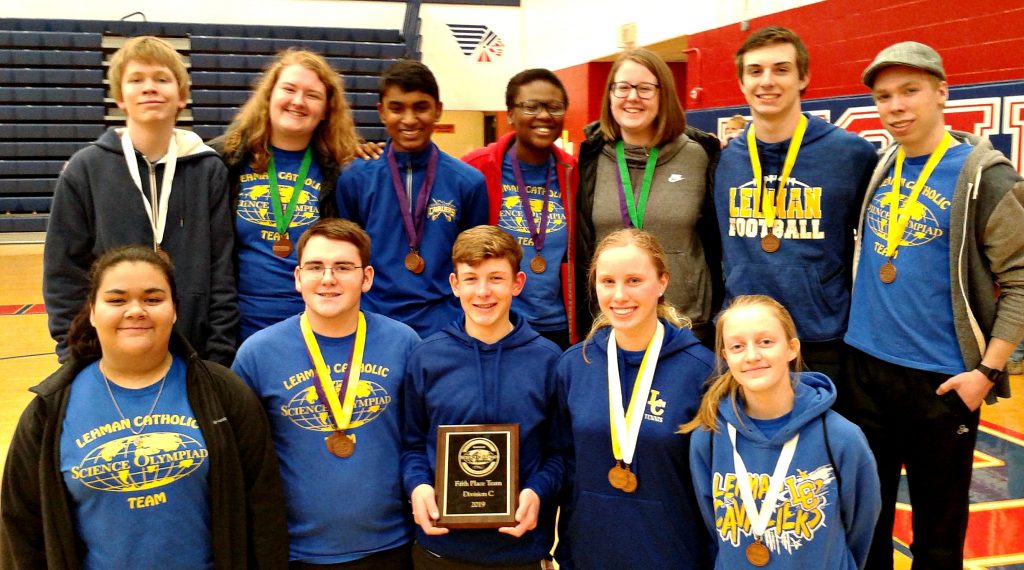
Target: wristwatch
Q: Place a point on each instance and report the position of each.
(990, 373)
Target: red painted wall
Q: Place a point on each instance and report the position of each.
(979, 42)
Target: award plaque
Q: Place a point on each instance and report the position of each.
(477, 475)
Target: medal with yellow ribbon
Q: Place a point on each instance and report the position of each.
(338, 402)
(899, 216)
(770, 243)
(625, 424)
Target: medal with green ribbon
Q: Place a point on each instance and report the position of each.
(770, 243)
(338, 402)
(283, 246)
(632, 212)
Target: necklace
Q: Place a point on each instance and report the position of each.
(106, 382)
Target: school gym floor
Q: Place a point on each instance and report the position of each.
(995, 537)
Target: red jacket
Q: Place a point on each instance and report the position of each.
(488, 160)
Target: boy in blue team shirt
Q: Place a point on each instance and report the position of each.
(331, 382)
(413, 203)
(488, 367)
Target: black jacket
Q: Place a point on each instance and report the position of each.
(248, 520)
(590, 150)
(329, 170)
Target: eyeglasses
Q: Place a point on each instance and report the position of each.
(644, 90)
(530, 107)
(315, 270)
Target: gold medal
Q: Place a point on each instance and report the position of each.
(414, 262)
(283, 246)
(537, 264)
(757, 553)
(887, 273)
(341, 444)
(770, 243)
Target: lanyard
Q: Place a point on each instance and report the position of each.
(413, 220)
(537, 233)
(155, 209)
(768, 206)
(632, 213)
(625, 424)
(759, 518)
(283, 219)
(339, 403)
(899, 216)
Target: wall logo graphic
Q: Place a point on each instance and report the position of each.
(479, 41)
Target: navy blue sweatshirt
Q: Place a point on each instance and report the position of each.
(658, 525)
(818, 522)
(452, 379)
(810, 273)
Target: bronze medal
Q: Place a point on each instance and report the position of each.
(537, 264)
(414, 262)
(622, 478)
(617, 476)
(341, 444)
(163, 253)
(770, 243)
(283, 246)
(631, 482)
(758, 554)
(887, 273)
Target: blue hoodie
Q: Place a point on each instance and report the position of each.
(814, 526)
(810, 273)
(453, 379)
(458, 201)
(658, 525)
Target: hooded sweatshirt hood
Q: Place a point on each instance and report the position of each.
(815, 394)
(188, 143)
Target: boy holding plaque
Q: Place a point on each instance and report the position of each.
(412, 203)
(489, 367)
(331, 382)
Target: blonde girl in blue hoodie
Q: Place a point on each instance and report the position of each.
(779, 477)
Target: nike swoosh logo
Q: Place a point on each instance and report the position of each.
(675, 178)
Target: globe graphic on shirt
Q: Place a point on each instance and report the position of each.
(140, 462)
(306, 411)
(921, 229)
(513, 220)
(254, 205)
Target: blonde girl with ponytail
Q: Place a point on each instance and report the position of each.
(779, 476)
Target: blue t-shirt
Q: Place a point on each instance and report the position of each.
(770, 427)
(339, 510)
(266, 282)
(139, 500)
(909, 322)
(541, 299)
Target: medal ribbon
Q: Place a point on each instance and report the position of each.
(283, 219)
(632, 213)
(339, 403)
(759, 518)
(157, 219)
(768, 206)
(899, 216)
(413, 220)
(625, 424)
(538, 234)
